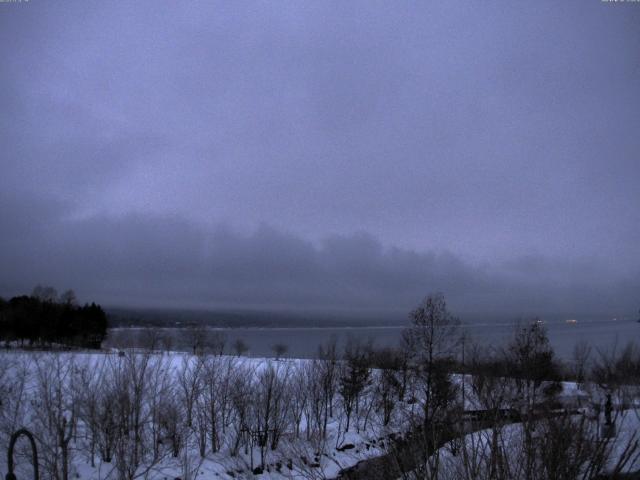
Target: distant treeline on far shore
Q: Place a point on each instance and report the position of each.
(45, 319)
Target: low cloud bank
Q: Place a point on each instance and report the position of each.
(167, 261)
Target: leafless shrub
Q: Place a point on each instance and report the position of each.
(390, 379)
(354, 378)
(241, 390)
(55, 412)
(299, 384)
(14, 377)
(271, 406)
(133, 380)
(215, 402)
(90, 381)
(189, 384)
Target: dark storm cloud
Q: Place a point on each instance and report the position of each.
(489, 150)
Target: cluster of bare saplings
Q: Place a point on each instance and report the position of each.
(438, 407)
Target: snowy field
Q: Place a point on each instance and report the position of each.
(157, 416)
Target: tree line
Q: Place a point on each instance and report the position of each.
(44, 319)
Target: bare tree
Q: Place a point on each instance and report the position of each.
(189, 384)
(240, 347)
(492, 393)
(354, 377)
(165, 341)
(68, 297)
(133, 378)
(580, 361)
(190, 464)
(162, 386)
(215, 342)
(241, 399)
(279, 350)
(390, 380)
(271, 406)
(328, 356)
(91, 379)
(617, 372)
(45, 293)
(14, 381)
(171, 423)
(315, 408)
(535, 374)
(431, 341)
(56, 411)
(217, 389)
(299, 397)
(196, 339)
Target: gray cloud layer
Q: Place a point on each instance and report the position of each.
(143, 144)
(166, 261)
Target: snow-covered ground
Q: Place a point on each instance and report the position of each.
(456, 461)
(296, 457)
(49, 393)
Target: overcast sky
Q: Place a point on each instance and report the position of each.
(323, 154)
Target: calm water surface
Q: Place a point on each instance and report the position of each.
(303, 342)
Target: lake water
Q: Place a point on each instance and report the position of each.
(303, 342)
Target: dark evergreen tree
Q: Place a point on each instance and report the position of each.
(41, 320)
